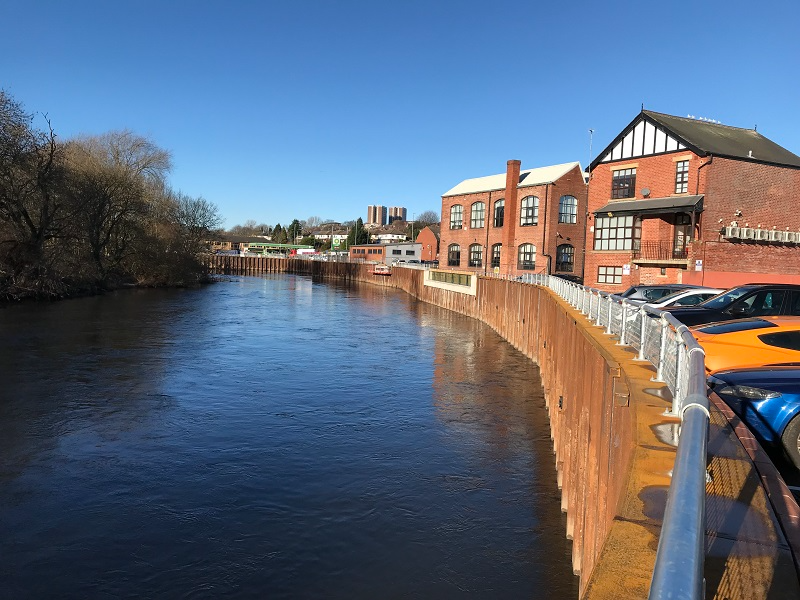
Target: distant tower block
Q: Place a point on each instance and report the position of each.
(397, 213)
(376, 215)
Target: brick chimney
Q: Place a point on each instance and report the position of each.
(508, 254)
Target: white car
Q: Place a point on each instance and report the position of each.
(688, 297)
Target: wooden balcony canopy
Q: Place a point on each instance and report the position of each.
(653, 206)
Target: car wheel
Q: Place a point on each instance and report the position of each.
(791, 440)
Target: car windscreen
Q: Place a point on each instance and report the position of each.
(733, 326)
(671, 296)
(726, 299)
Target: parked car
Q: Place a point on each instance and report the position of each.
(751, 300)
(688, 297)
(767, 399)
(650, 293)
(750, 342)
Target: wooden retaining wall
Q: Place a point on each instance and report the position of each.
(586, 393)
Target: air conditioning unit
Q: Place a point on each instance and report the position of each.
(747, 233)
(731, 232)
(792, 237)
(762, 235)
(776, 236)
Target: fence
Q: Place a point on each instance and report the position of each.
(680, 363)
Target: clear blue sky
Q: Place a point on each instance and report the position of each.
(277, 110)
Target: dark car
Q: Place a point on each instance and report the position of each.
(651, 293)
(751, 300)
(767, 399)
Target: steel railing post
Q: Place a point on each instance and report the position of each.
(642, 333)
(662, 351)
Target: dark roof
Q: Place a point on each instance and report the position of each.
(724, 140)
(653, 206)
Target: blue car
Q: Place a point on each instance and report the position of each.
(767, 399)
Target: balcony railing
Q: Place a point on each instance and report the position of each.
(657, 251)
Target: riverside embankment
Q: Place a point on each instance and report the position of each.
(614, 447)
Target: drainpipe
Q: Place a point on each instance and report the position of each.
(544, 224)
(489, 214)
(697, 191)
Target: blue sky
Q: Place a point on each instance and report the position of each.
(282, 110)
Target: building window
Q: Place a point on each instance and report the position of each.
(609, 274)
(529, 211)
(476, 219)
(616, 233)
(682, 236)
(682, 177)
(395, 251)
(476, 255)
(527, 257)
(409, 253)
(496, 255)
(453, 255)
(565, 258)
(456, 216)
(499, 212)
(568, 209)
(623, 184)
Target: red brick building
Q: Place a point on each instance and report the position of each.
(680, 200)
(519, 222)
(428, 239)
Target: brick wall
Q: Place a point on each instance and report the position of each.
(765, 195)
(544, 235)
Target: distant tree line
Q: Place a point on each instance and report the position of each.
(91, 213)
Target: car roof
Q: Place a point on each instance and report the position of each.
(785, 323)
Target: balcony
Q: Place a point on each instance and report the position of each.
(659, 253)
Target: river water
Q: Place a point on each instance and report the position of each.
(272, 437)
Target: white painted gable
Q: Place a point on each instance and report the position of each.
(642, 140)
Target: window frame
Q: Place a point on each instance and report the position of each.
(529, 215)
(682, 176)
(499, 212)
(496, 251)
(475, 258)
(621, 236)
(568, 211)
(561, 252)
(477, 215)
(623, 183)
(456, 216)
(523, 251)
(454, 255)
(604, 272)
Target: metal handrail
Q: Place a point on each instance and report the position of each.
(680, 363)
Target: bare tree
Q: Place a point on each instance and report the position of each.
(117, 178)
(429, 217)
(196, 218)
(31, 175)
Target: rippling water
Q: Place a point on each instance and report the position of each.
(272, 437)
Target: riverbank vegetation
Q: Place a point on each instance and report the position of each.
(95, 212)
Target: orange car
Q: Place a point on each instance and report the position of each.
(750, 342)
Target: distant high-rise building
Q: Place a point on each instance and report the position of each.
(376, 215)
(397, 213)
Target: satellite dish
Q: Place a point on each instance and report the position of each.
(645, 191)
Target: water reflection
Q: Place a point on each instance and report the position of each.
(272, 437)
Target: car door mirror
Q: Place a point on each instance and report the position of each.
(738, 311)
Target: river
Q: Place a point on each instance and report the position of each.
(272, 437)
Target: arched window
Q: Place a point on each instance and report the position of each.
(529, 211)
(499, 211)
(477, 215)
(476, 255)
(527, 257)
(453, 255)
(568, 209)
(565, 258)
(456, 216)
(496, 255)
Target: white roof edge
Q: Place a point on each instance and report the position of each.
(491, 183)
